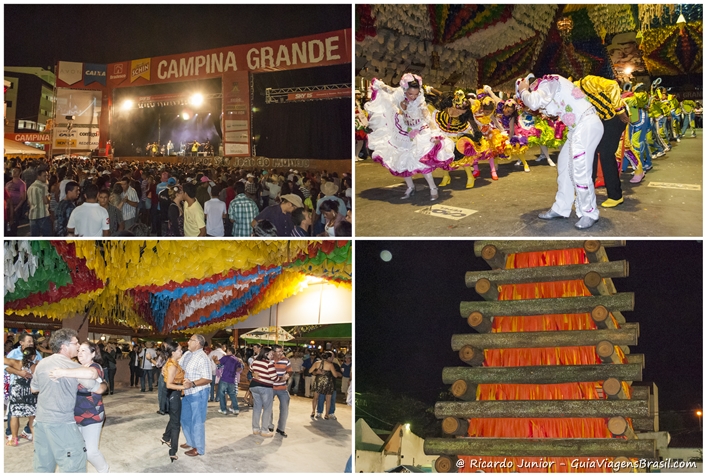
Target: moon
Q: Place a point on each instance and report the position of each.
(385, 255)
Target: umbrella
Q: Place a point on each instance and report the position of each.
(267, 334)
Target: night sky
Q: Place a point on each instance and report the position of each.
(40, 35)
(407, 310)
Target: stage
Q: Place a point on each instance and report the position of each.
(301, 165)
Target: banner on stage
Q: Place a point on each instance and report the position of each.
(326, 94)
(38, 138)
(236, 113)
(323, 49)
(77, 138)
(237, 149)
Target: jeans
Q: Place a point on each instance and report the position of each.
(283, 397)
(688, 122)
(296, 378)
(146, 374)
(213, 396)
(134, 375)
(232, 391)
(262, 407)
(322, 401)
(162, 394)
(109, 375)
(193, 420)
(41, 227)
(171, 433)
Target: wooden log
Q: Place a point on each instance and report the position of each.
(569, 447)
(535, 307)
(595, 251)
(486, 289)
(645, 424)
(446, 464)
(525, 246)
(613, 389)
(618, 426)
(626, 335)
(596, 283)
(636, 359)
(464, 390)
(541, 274)
(472, 356)
(606, 351)
(542, 373)
(482, 324)
(455, 426)
(495, 258)
(622, 464)
(543, 409)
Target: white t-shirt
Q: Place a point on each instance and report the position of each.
(89, 219)
(214, 210)
(146, 364)
(215, 353)
(62, 189)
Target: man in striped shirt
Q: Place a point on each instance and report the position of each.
(38, 199)
(131, 201)
(197, 378)
(284, 371)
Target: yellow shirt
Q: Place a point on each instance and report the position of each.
(193, 219)
(604, 94)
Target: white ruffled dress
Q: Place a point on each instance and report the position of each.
(392, 128)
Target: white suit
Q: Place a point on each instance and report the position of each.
(557, 96)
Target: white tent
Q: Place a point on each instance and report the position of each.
(12, 148)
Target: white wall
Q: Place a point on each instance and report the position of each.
(303, 309)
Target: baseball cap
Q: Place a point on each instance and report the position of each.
(205, 179)
(171, 181)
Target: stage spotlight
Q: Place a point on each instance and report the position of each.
(196, 99)
(185, 116)
(127, 104)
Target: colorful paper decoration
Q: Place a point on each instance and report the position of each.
(173, 286)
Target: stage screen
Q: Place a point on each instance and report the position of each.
(84, 105)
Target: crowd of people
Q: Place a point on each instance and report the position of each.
(99, 197)
(60, 390)
(590, 120)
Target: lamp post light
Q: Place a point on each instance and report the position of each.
(699, 414)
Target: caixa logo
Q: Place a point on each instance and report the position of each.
(66, 134)
(95, 73)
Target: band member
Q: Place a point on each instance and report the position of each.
(195, 148)
(170, 147)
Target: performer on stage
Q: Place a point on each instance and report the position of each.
(688, 106)
(195, 149)
(455, 120)
(557, 96)
(484, 112)
(403, 137)
(170, 147)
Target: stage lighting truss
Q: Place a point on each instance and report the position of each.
(281, 95)
(178, 101)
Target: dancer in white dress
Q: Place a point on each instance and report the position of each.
(404, 138)
(555, 95)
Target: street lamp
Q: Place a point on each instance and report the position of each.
(699, 414)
